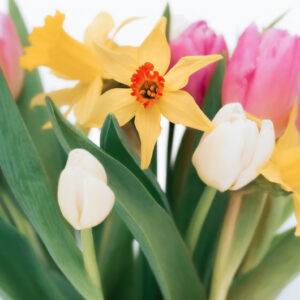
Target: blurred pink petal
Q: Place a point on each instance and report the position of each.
(10, 52)
(197, 39)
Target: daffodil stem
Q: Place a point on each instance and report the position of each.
(89, 258)
(170, 144)
(199, 217)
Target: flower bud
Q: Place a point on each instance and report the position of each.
(84, 198)
(197, 39)
(231, 155)
(257, 73)
(10, 53)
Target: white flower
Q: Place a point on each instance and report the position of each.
(231, 155)
(84, 198)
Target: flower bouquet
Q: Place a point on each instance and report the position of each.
(83, 219)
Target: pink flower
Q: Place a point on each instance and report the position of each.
(10, 52)
(263, 74)
(197, 39)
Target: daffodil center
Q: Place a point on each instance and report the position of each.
(147, 85)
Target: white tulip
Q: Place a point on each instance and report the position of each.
(84, 197)
(231, 155)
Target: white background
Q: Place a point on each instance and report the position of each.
(228, 17)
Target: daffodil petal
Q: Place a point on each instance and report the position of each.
(290, 137)
(61, 97)
(116, 101)
(296, 198)
(178, 76)
(99, 29)
(118, 66)
(180, 108)
(147, 122)
(124, 23)
(88, 101)
(54, 48)
(272, 172)
(155, 48)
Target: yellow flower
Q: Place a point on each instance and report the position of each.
(69, 59)
(152, 92)
(284, 165)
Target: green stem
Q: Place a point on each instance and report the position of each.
(219, 285)
(199, 216)
(89, 258)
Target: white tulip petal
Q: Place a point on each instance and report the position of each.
(216, 158)
(229, 113)
(98, 200)
(263, 151)
(251, 135)
(83, 159)
(69, 189)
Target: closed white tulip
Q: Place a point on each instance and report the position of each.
(84, 197)
(231, 155)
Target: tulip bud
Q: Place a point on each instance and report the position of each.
(257, 73)
(10, 53)
(197, 39)
(84, 198)
(231, 155)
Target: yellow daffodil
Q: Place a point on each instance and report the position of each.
(151, 91)
(284, 165)
(69, 59)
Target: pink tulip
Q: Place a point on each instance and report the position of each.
(10, 52)
(197, 39)
(263, 74)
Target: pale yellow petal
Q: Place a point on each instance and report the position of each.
(116, 101)
(289, 163)
(272, 172)
(88, 100)
(180, 108)
(178, 76)
(155, 49)
(128, 50)
(61, 97)
(99, 29)
(296, 198)
(124, 23)
(290, 137)
(52, 47)
(118, 66)
(147, 122)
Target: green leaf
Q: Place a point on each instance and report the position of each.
(116, 257)
(48, 148)
(26, 178)
(114, 142)
(278, 268)
(151, 226)
(21, 275)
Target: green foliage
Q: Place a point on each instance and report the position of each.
(169, 259)
(26, 177)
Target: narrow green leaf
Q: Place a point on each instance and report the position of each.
(167, 14)
(266, 229)
(115, 257)
(48, 148)
(278, 268)
(151, 226)
(21, 275)
(114, 142)
(26, 178)
(240, 222)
